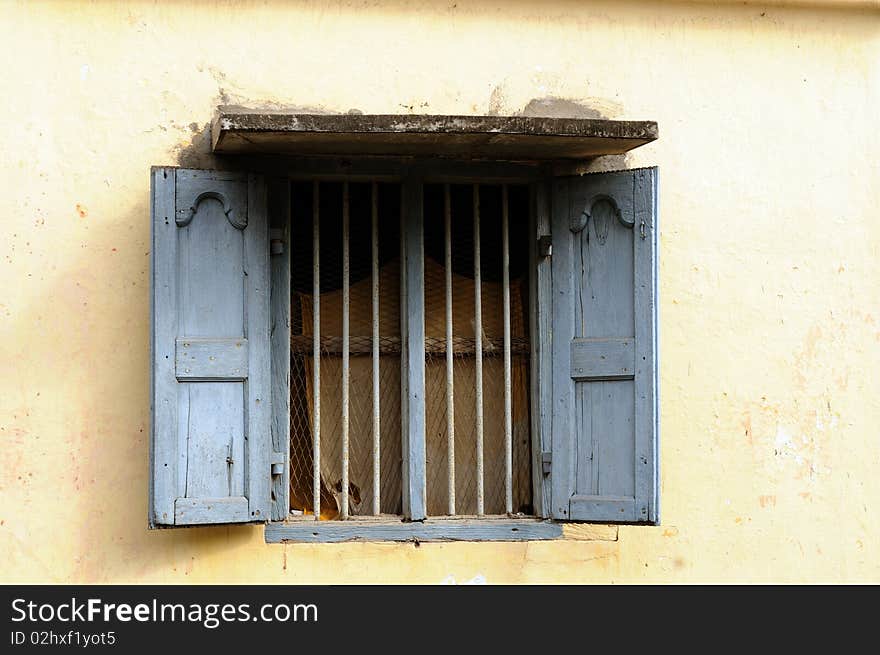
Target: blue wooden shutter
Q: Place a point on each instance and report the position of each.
(211, 393)
(604, 464)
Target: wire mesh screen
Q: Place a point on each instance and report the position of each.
(464, 468)
(361, 387)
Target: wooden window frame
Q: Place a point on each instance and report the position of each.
(413, 151)
(268, 213)
(412, 174)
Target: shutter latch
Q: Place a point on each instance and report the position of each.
(546, 461)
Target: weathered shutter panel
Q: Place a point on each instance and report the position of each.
(210, 441)
(605, 409)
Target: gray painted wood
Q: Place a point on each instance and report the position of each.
(163, 430)
(604, 277)
(210, 432)
(259, 384)
(438, 530)
(540, 306)
(279, 264)
(610, 508)
(211, 359)
(647, 379)
(214, 430)
(606, 446)
(564, 431)
(413, 351)
(609, 358)
(204, 511)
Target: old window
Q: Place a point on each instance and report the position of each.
(393, 346)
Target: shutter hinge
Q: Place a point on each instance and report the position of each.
(546, 461)
(277, 463)
(276, 242)
(545, 246)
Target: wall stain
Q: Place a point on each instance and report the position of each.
(197, 153)
(747, 425)
(767, 501)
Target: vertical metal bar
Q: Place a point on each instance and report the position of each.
(376, 420)
(478, 349)
(450, 391)
(345, 351)
(316, 348)
(508, 400)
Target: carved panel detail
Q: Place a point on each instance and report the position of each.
(187, 210)
(579, 220)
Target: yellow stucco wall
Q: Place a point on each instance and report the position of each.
(769, 265)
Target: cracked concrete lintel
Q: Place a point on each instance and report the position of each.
(237, 130)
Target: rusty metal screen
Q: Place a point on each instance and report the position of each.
(367, 218)
(479, 453)
(345, 452)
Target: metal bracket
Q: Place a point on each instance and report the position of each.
(276, 242)
(545, 245)
(546, 461)
(277, 463)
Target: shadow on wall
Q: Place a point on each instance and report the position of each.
(198, 154)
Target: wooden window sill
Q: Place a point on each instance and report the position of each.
(384, 529)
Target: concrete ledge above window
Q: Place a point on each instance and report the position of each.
(451, 529)
(516, 138)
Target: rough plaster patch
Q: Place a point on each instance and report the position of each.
(231, 98)
(496, 102)
(589, 532)
(803, 450)
(547, 103)
(196, 151)
(552, 107)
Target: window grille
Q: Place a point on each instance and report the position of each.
(346, 349)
